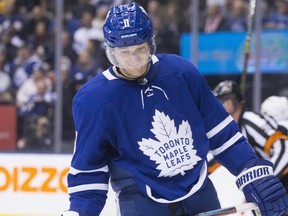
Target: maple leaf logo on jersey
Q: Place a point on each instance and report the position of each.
(174, 152)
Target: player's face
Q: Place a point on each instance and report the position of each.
(230, 107)
(133, 60)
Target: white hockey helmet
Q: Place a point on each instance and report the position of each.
(276, 107)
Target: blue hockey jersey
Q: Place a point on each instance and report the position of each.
(153, 134)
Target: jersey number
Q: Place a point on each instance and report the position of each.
(126, 23)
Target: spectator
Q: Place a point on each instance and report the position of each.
(165, 26)
(154, 9)
(11, 19)
(8, 45)
(236, 18)
(21, 66)
(6, 96)
(40, 103)
(41, 42)
(38, 136)
(278, 18)
(221, 3)
(4, 63)
(41, 137)
(37, 115)
(67, 51)
(214, 20)
(83, 6)
(73, 16)
(25, 7)
(67, 47)
(167, 39)
(84, 69)
(86, 32)
(96, 49)
(37, 15)
(99, 19)
(68, 93)
(29, 87)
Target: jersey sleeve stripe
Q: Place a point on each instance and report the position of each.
(227, 144)
(219, 127)
(87, 187)
(74, 171)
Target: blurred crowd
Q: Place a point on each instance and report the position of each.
(27, 50)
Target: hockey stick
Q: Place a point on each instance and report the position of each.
(231, 210)
(252, 6)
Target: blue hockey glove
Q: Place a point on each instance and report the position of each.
(259, 185)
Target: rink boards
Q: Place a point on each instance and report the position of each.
(35, 184)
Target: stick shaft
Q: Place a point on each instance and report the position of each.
(252, 8)
(230, 210)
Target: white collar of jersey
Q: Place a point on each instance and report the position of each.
(154, 59)
(111, 76)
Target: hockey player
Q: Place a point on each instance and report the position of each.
(264, 134)
(147, 123)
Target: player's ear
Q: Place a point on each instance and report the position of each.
(229, 106)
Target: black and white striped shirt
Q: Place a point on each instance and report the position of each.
(268, 138)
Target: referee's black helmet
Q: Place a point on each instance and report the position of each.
(228, 89)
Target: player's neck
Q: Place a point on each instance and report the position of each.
(237, 113)
(122, 73)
